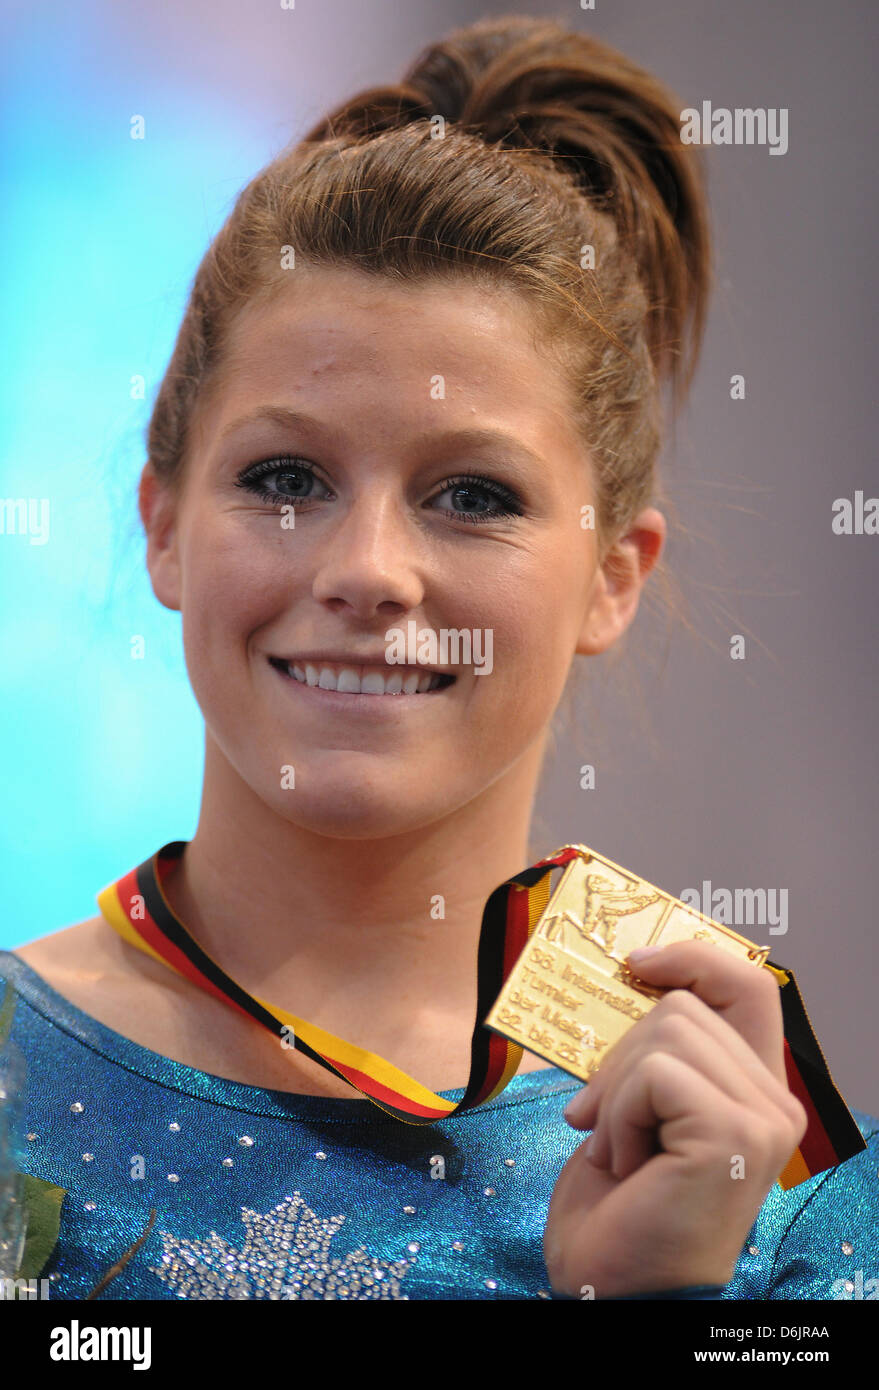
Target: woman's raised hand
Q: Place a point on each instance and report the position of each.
(692, 1123)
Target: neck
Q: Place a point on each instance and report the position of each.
(340, 931)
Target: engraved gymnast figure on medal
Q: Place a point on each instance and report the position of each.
(603, 905)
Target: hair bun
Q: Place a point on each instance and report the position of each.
(531, 83)
(524, 83)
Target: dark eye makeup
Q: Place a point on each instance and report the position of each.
(302, 477)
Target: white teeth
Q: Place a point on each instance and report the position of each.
(349, 681)
(373, 682)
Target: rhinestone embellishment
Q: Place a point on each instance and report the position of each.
(245, 1141)
(174, 1127)
(77, 1107)
(847, 1248)
(285, 1254)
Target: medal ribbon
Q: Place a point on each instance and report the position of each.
(136, 907)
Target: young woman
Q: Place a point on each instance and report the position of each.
(416, 389)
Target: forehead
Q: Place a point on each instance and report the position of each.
(332, 330)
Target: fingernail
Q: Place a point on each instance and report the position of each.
(642, 952)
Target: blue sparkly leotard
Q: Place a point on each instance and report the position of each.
(269, 1194)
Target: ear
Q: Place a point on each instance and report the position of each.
(158, 507)
(618, 582)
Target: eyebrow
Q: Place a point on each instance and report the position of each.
(272, 415)
(512, 448)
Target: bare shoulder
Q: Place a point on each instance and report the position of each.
(82, 953)
(94, 969)
(91, 967)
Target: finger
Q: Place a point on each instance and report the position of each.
(671, 1100)
(584, 1108)
(681, 1036)
(624, 1143)
(745, 995)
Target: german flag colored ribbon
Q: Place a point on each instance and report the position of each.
(137, 908)
(832, 1134)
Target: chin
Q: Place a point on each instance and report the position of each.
(348, 813)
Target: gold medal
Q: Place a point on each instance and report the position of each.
(570, 995)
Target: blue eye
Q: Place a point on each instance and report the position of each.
(291, 473)
(483, 499)
(472, 488)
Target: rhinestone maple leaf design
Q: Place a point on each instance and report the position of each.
(285, 1255)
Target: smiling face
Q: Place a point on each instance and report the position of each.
(427, 454)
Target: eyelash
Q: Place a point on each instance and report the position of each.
(508, 501)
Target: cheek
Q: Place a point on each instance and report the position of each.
(235, 584)
(533, 621)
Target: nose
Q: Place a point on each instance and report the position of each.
(369, 559)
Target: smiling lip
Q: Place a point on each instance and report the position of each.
(347, 680)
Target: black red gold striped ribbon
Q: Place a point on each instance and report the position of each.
(137, 908)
